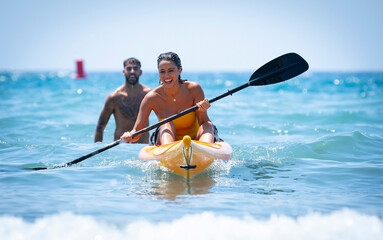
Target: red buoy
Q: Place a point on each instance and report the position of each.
(80, 69)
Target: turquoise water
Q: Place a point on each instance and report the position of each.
(307, 162)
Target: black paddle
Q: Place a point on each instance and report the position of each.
(278, 70)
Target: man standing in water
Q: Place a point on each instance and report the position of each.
(124, 103)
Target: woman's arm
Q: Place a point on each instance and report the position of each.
(200, 100)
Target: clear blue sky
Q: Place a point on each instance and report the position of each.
(209, 35)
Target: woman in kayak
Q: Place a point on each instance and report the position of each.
(171, 97)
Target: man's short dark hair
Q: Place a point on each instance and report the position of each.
(132, 60)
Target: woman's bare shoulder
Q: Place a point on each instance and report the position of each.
(194, 87)
(192, 84)
(153, 94)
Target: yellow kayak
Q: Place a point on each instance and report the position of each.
(187, 157)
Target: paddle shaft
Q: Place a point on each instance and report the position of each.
(110, 145)
(80, 159)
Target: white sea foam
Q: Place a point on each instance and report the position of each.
(344, 224)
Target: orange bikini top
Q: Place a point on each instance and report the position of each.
(186, 125)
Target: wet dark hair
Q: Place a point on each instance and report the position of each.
(172, 57)
(169, 56)
(132, 60)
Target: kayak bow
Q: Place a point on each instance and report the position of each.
(187, 157)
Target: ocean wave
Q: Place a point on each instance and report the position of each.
(344, 146)
(342, 224)
(352, 146)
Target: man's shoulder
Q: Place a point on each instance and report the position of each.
(145, 88)
(117, 93)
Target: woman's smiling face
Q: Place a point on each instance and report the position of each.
(169, 73)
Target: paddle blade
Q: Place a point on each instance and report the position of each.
(278, 70)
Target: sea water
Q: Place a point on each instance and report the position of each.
(307, 162)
